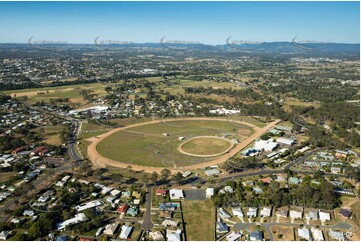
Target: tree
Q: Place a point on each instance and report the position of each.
(165, 173)
(178, 177)
(154, 177)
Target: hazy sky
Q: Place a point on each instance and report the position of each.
(206, 22)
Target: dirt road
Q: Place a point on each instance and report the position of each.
(101, 161)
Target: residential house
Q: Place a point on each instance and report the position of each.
(156, 236)
(169, 223)
(136, 194)
(337, 235)
(317, 234)
(237, 211)
(223, 213)
(88, 205)
(286, 141)
(174, 235)
(344, 212)
(122, 209)
(252, 212)
(296, 213)
(311, 215)
(176, 194)
(304, 233)
(110, 229)
(30, 213)
(125, 232)
(341, 154)
(161, 192)
(256, 235)
(209, 192)
(80, 217)
(221, 227)
(234, 236)
(212, 172)
(4, 235)
(115, 193)
(266, 212)
(168, 206)
(133, 211)
(324, 216)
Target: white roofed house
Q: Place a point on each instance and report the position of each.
(337, 235)
(125, 232)
(304, 233)
(324, 216)
(311, 215)
(286, 141)
(110, 229)
(80, 217)
(266, 212)
(317, 234)
(252, 212)
(87, 205)
(223, 213)
(209, 192)
(233, 236)
(176, 194)
(265, 145)
(4, 235)
(237, 212)
(115, 193)
(296, 213)
(174, 235)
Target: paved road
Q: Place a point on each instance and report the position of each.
(72, 146)
(147, 222)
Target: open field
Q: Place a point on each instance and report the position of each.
(283, 233)
(156, 144)
(199, 219)
(46, 93)
(206, 145)
(151, 146)
(51, 134)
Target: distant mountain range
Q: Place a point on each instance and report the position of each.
(289, 49)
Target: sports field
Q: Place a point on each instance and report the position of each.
(156, 144)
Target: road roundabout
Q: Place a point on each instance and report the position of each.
(176, 144)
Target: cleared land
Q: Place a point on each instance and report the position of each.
(73, 92)
(199, 219)
(129, 146)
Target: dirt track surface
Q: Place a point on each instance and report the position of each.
(101, 161)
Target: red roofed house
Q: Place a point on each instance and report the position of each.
(266, 180)
(161, 192)
(85, 239)
(43, 152)
(122, 209)
(36, 151)
(14, 152)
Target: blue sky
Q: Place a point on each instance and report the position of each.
(206, 22)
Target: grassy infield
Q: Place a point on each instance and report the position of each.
(147, 145)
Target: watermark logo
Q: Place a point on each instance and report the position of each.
(242, 44)
(178, 44)
(47, 45)
(112, 44)
(308, 45)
